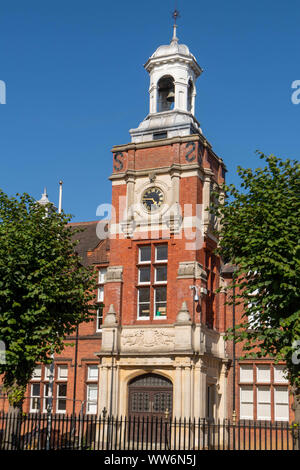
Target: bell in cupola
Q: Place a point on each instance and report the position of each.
(166, 93)
(171, 96)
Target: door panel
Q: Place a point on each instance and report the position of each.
(150, 395)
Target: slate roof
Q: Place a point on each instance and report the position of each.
(91, 248)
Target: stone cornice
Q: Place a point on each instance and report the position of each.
(176, 167)
(160, 143)
(171, 141)
(177, 57)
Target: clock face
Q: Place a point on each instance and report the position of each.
(152, 199)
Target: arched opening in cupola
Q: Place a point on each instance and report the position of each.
(190, 96)
(166, 93)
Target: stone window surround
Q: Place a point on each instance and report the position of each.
(152, 263)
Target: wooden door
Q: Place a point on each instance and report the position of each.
(150, 395)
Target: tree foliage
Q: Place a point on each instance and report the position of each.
(45, 292)
(259, 234)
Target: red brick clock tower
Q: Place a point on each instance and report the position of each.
(162, 344)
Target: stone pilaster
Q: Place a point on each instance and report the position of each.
(103, 390)
(222, 390)
(177, 409)
(202, 391)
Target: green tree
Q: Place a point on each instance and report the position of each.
(45, 292)
(259, 234)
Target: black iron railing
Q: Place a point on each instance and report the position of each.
(55, 432)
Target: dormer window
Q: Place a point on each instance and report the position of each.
(166, 93)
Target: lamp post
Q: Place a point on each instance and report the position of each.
(233, 356)
(51, 371)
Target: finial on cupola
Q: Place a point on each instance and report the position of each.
(44, 199)
(175, 15)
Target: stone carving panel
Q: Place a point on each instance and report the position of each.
(114, 274)
(147, 340)
(191, 270)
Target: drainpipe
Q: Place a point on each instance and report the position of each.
(112, 374)
(75, 371)
(233, 355)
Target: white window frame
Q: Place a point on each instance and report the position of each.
(45, 397)
(102, 275)
(61, 397)
(35, 376)
(249, 388)
(100, 293)
(100, 296)
(98, 330)
(152, 265)
(61, 377)
(144, 303)
(286, 403)
(35, 397)
(261, 367)
(140, 250)
(159, 317)
(145, 283)
(89, 402)
(259, 402)
(47, 373)
(163, 261)
(91, 367)
(278, 375)
(243, 368)
(155, 269)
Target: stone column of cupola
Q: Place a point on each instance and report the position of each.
(180, 102)
(193, 100)
(153, 99)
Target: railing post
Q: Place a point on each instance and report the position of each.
(233, 428)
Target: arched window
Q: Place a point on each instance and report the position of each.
(166, 93)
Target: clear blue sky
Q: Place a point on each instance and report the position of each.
(76, 85)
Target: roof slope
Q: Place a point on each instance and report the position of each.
(91, 248)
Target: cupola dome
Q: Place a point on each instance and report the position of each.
(173, 73)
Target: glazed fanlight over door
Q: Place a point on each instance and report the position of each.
(150, 395)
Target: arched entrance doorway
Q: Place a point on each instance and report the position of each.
(150, 395)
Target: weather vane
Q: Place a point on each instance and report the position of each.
(175, 14)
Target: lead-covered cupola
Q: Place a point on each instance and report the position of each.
(173, 73)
